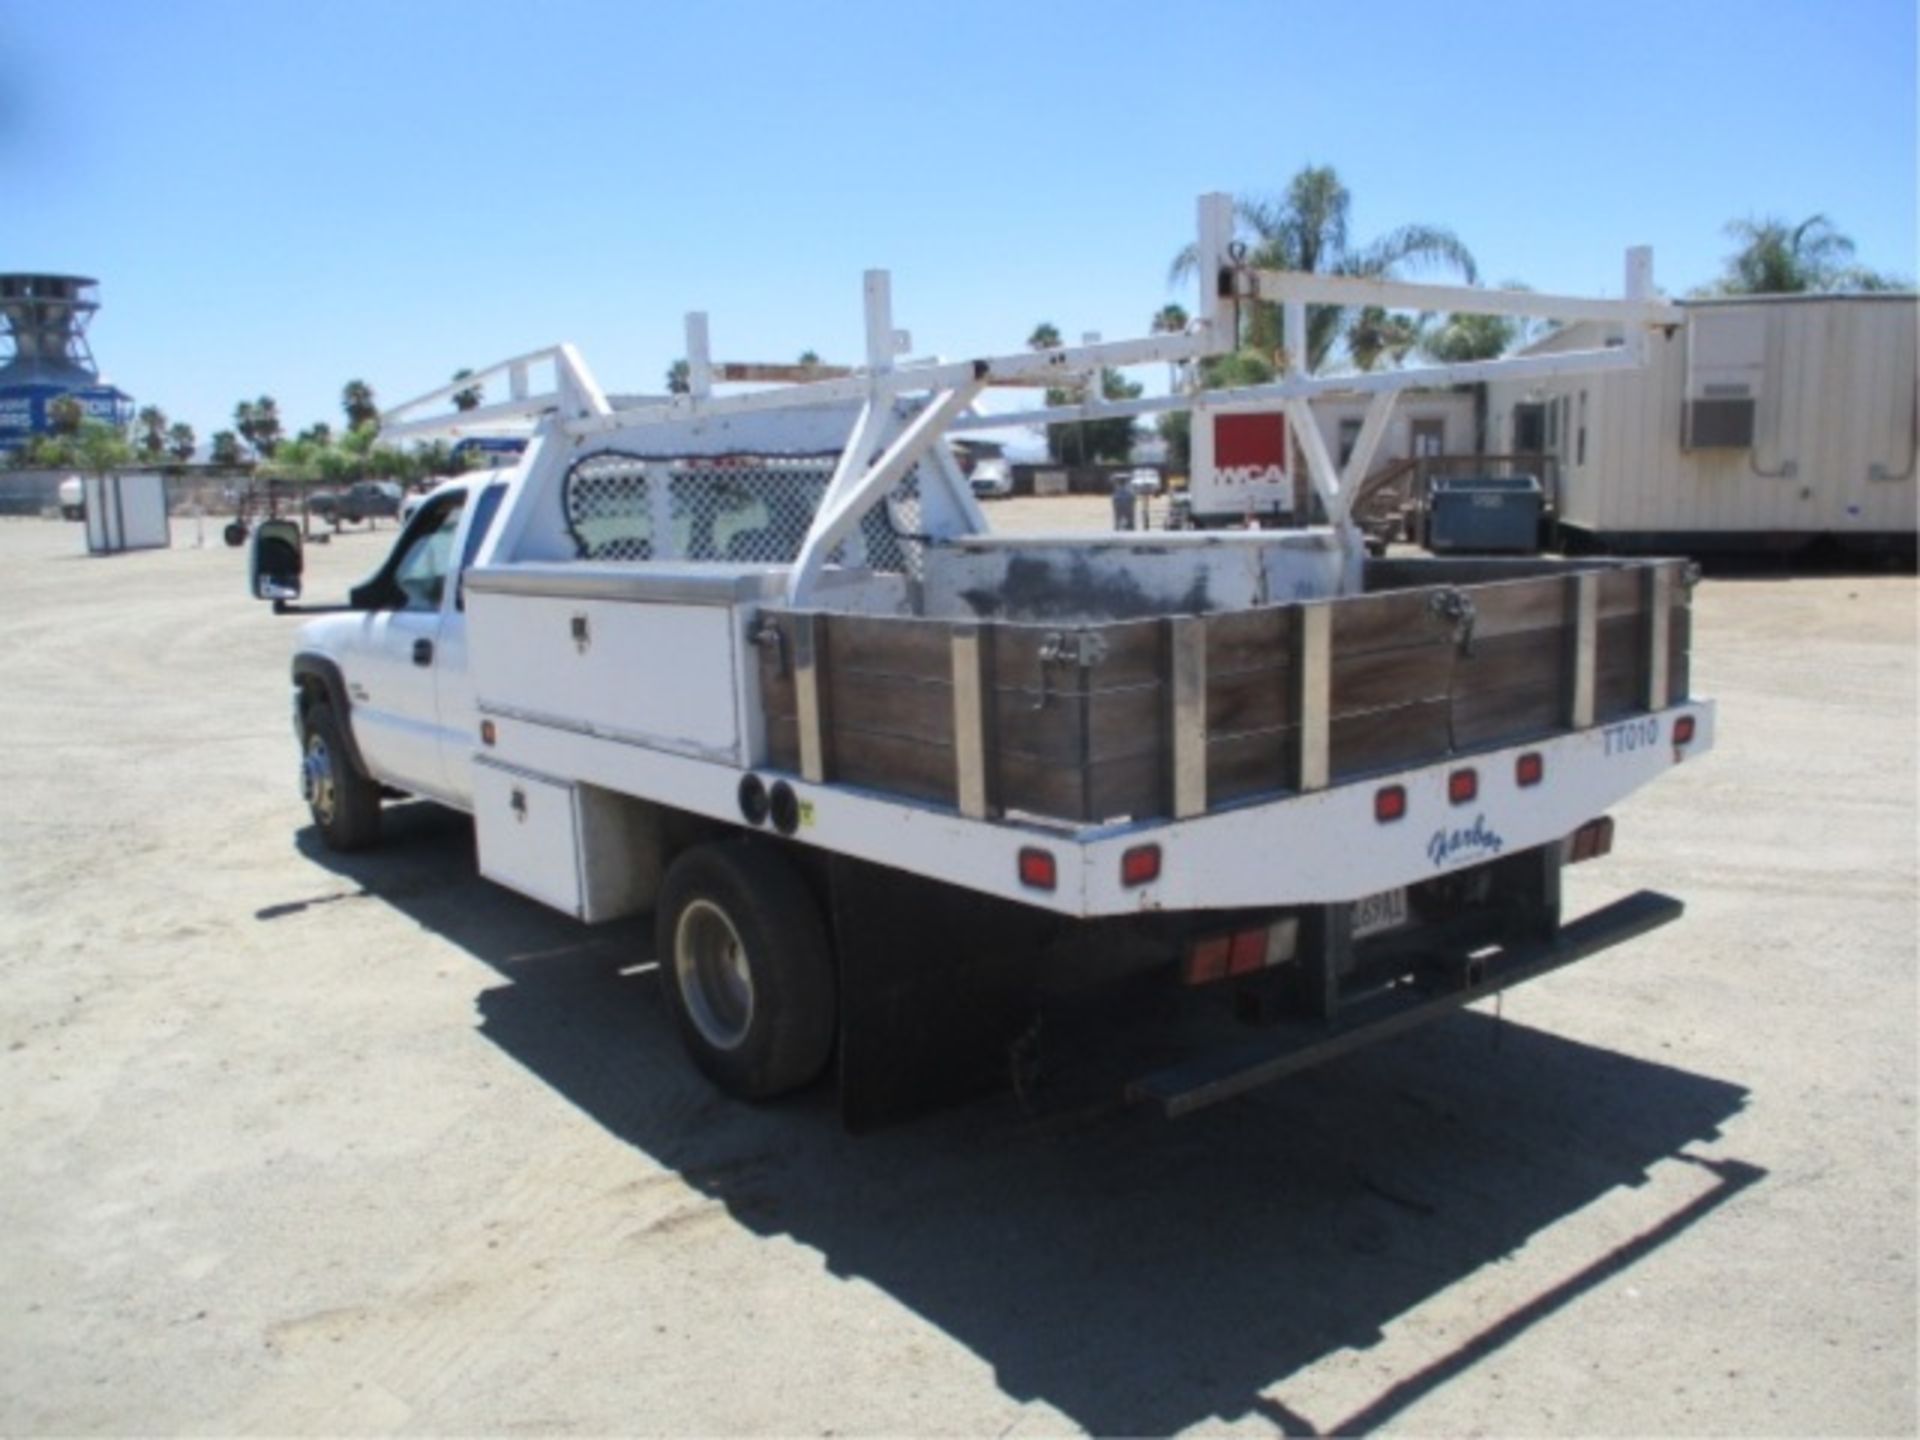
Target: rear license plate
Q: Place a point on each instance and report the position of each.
(1376, 914)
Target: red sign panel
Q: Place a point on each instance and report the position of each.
(1255, 442)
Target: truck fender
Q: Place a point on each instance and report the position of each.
(317, 672)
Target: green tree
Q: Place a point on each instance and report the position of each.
(181, 441)
(1170, 320)
(1045, 336)
(101, 447)
(469, 398)
(319, 433)
(64, 415)
(258, 422)
(356, 400)
(679, 378)
(152, 421)
(809, 357)
(1463, 338)
(1777, 257)
(1081, 442)
(1306, 228)
(226, 449)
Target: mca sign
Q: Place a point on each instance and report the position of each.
(1241, 466)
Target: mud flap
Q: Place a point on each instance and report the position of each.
(937, 991)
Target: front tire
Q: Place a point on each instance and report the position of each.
(345, 805)
(747, 968)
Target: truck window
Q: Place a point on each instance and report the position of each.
(421, 573)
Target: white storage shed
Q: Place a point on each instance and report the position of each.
(1768, 422)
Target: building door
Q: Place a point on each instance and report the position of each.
(1530, 429)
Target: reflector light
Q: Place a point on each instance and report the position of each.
(1462, 786)
(1530, 768)
(1037, 869)
(1591, 840)
(1683, 730)
(1389, 803)
(1248, 951)
(1140, 865)
(1207, 959)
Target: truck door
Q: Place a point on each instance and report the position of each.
(392, 674)
(453, 683)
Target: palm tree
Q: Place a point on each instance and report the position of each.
(1779, 258)
(152, 421)
(680, 378)
(356, 399)
(1307, 229)
(1045, 336)
(1170, 320)
(469, 398)
(181, 441)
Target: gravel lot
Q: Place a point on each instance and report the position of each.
(301, 1146)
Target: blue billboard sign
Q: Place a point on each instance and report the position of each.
(26, 410)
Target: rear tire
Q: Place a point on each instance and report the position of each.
(747, 968)
(345, 804)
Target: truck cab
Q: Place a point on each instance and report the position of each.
(383, 694)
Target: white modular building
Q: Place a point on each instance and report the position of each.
(1766, 422)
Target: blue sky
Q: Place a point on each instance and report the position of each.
(280, 197)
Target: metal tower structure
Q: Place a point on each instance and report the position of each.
(44, 319)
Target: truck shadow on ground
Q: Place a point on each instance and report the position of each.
(1136, 1276)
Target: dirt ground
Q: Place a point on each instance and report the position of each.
(301, 1146)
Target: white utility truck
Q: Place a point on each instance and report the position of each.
(890, 782)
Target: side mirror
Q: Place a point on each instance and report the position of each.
(274, 561)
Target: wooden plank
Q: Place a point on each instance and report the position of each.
(1521, 659)
(1250, 700)
(1370, 679)
(1257, 762)
(1252, 640)
(1126, 785)
(783, 743)
(893, 705)
(1506, 717)
(1072, 730)
(1379, 622)
(892, 764)
(1680, 643)
(1518, 605)
(1619, 681)
(1394, 736)
(913, 649)
(1622, 592)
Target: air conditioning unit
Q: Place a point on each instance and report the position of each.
(1726, 371)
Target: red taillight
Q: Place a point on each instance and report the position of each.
(1683, 730)
(1140, 865)
(1389, 803)
(1037, 871)
(1462, 786)
(1216, 957)
(1530, 768)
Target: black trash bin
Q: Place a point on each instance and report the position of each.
(1484, 514)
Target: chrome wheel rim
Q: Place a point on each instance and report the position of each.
(316, 779)
(710, 966)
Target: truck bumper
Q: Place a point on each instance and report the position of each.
(1295, 1046)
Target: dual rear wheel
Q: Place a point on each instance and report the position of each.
(747, 968)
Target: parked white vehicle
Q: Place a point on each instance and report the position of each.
(887, 780)
(992, 477)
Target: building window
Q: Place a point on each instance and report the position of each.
(1580, 441)
(1349, 437)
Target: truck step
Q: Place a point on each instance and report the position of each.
(1208, 1079)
